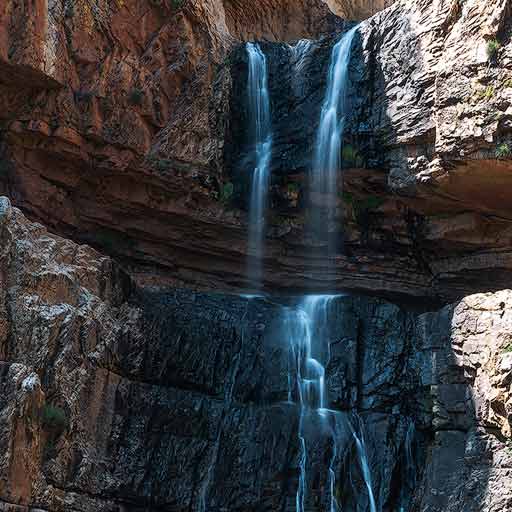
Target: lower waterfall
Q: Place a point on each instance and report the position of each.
(306, 328)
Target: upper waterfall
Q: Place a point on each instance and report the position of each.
(261, 138)
(327, 159)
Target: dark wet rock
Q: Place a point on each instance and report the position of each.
(180, 400)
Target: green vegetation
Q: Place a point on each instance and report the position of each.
(508, 83)
(293, 189)
(136, 96)
(226, 192)
(178, 4)
(362, 207)
(493, 47)
(351, 156)
(485, 94)
(507, 349)
(489, 92)
(503, 151)
(54, 419)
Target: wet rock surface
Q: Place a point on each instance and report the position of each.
(116, 398)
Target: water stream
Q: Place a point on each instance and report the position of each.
(329, 142)
(322, 433)
(261, 138)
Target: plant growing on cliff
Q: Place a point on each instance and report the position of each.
(507, 349)
(226, 192)
(493, 47)
(503, 151)
(54, 419)
(136, 96)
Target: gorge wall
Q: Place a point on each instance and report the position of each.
(123, 387)
(123, 108)
(119, 400)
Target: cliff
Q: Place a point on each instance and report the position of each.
(123, 143)
(178, 401)
(115, 126)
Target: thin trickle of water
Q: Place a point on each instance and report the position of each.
(362, 453)
(327, 157)
(409, 476)
(261, 137)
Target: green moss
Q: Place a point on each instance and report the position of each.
(351, 156)
(293, 188)
(226, 192)
(54, 419)
(503, 152)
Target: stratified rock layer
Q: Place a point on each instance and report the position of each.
(117, 123)
(178, 401)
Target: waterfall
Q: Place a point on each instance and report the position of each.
(329, 141)
(306, 327)
(261, 142)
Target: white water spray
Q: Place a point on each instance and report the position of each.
(306, 327)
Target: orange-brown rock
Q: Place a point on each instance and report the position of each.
(113, 131)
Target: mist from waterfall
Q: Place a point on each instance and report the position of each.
(261, 142)
(327, 160)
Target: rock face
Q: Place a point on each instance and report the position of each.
(117, 124)
(114, 399)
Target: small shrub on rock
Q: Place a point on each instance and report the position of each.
(503, 151)
(54, 419)
(493, 47)
(226, 192)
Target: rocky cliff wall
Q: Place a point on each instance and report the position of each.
(115, 400)
(115, 124)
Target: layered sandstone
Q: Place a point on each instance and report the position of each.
(116, 124)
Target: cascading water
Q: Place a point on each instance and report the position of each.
(261, 139)
(307, 329)
(306, 325)
(329, 140)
